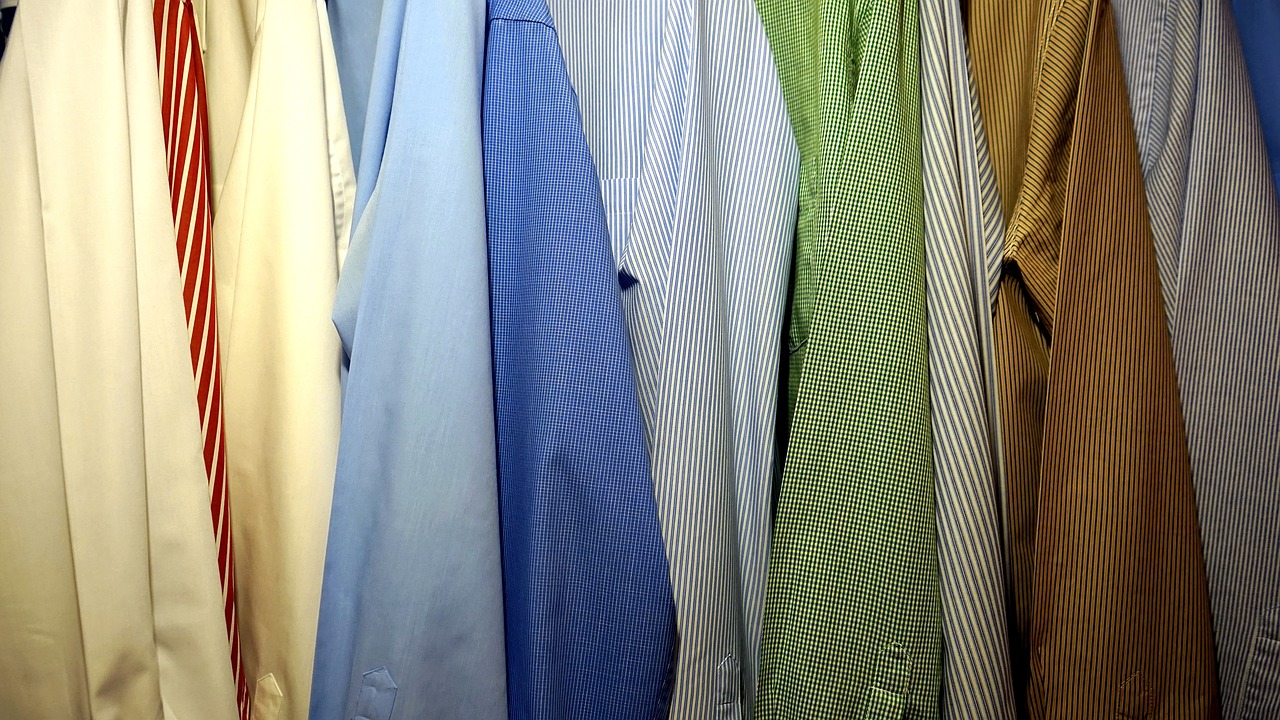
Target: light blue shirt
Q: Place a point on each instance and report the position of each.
(685, 118)
(411, 614)
(354, 24)
(1216, 223)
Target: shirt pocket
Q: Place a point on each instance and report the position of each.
(886, 699)
(377, 696)
(1261, 697)
(268, 698)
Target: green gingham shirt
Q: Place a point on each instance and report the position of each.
(852, 623)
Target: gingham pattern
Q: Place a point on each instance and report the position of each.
(705, 227)
(589, 611)
(964, 237)
(1111, 609)
(1206, 182)
(186, 139)
(852, 607)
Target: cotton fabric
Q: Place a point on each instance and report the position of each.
(1205, 163)
(280, 232)
(591, 626)
(411, 616)
(964, 237)
(852, 617)
(111, 606)
(1110, 602)
(685, 116)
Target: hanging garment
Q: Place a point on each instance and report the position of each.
(1214, 209)
(111, 605)
(8, 10)
(228, 31)
(964, 237)
(578, 509)
(280, 232)
(186, 128)
(411, 617)
(685, 117)
(355, 40)
(1110, 602)
(1259, 24)
(852, 611)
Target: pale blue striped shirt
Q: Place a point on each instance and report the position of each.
(698, 167)
(1216, 224)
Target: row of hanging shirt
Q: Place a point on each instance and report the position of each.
(568, 440)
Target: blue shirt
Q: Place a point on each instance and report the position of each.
(354, 25)
(411, 620)
(590, 617)
(1259, 23)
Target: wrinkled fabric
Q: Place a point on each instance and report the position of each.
(964, 238)
(411, 613)
(1207, 179)
(855, 522)
(685, 117)
(1110, 612)
(578, 508)
(111, 608)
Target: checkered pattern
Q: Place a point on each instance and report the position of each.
(854, 567)
(589, 608)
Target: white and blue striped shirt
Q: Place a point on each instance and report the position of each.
(1217, 229)
(964, 244)
(698, 166)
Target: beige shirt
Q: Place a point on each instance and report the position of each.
(111, 606)
(284, 189)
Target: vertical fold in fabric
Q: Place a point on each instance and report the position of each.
(113, 608)
(590, 616)
(852, 616)
(1225, 343)
(684, 115)
(411, 612)
(1214, 211)
(280, 229)
(1111, 611)
(963, 228)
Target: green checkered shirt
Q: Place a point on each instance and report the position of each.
(852, 621)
